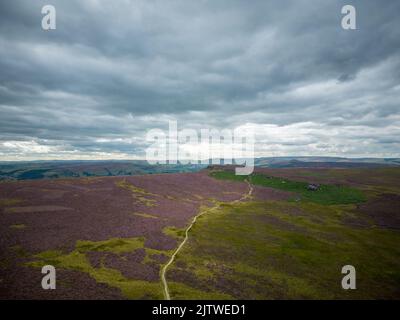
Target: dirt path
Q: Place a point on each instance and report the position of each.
(164, 269)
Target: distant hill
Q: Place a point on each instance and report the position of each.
(31, 170)
(70, 169)
(324, 162)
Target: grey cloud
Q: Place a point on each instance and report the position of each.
(112, 71)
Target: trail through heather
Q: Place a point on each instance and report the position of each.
(165, 268)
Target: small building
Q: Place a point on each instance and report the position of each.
(313, 187)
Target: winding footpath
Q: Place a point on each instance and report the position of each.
(165, 268)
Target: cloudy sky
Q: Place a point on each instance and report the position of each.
(112, 70)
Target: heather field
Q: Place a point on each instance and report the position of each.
(260, 237)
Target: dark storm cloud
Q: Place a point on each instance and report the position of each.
(112, 70)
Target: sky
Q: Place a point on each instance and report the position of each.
(113, 70)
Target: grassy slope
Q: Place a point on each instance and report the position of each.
(273, 253)
(326, 194)
(290, 250)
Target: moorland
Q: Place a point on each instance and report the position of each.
(263, 236)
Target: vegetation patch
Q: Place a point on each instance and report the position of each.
(77, 260)
(18, 226)
(138, 193)
(326, 194)
(145, 215)
(129, 186)
(177, 233)
(19, 251)
(182, 291)
(115, 245)
(151, 254)
(9, 202)
(252, 257)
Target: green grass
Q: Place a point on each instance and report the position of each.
(9, 202)
(284, 250)
(145, 215)
(174, 232)
(139, 194)
(186, 292)
(18, 226)
(116, 245)
(77, 260)
(19, 251)
(326, 194)
(130, 288)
